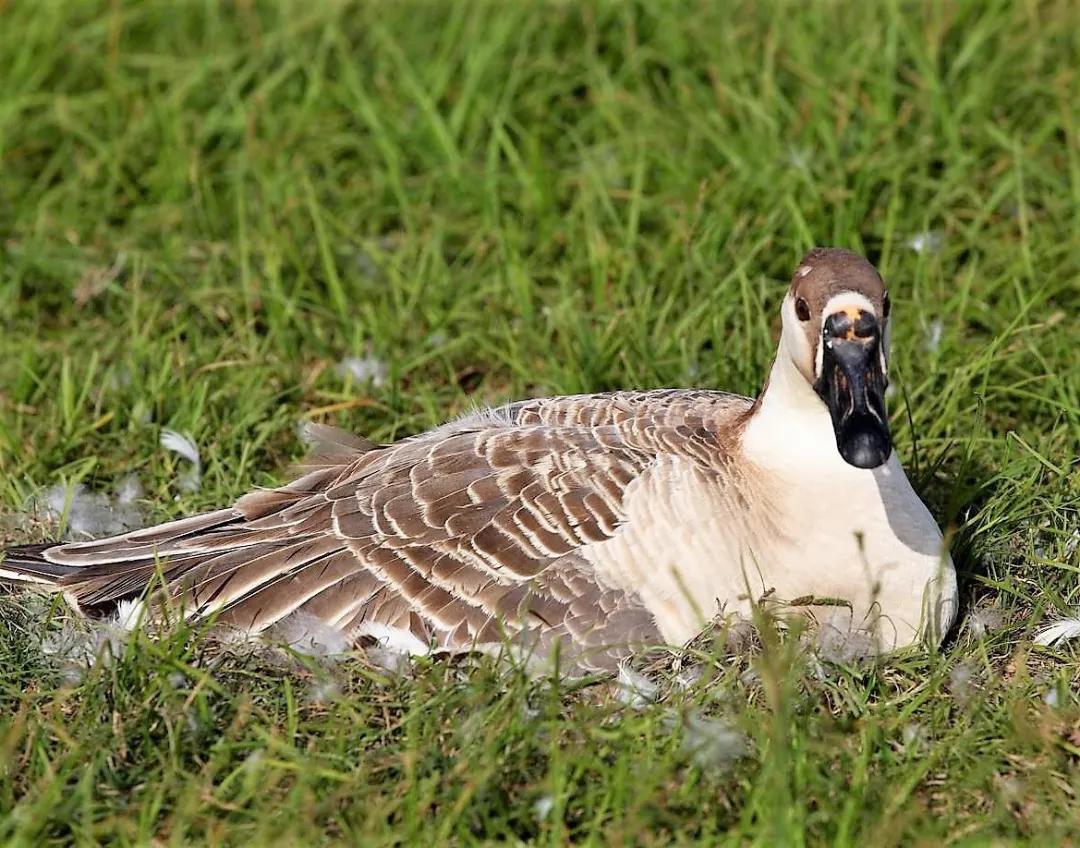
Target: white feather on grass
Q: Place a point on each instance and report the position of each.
(932, 335)
(185, 447)
(914, 736)
(542, 807)
(322, 692)
(180, 444)
(635, 689)
(393, 663)
(713, 743)
(962, 683)
(1067, 628)
(363, 369)
(837, 642)
(985, 620)
(129, 489)
(129, 614)
(308, 634)
(928, 241)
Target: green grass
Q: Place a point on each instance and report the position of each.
(204, 207)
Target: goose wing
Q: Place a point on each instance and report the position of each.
(447, 537)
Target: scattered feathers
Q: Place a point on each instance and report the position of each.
(90, 515)
(81, 643)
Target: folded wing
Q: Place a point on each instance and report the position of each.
(460, 536)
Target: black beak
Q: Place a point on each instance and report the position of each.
(852, 384)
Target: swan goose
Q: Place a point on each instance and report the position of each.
(600, 522)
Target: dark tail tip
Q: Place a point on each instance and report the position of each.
(27, 564)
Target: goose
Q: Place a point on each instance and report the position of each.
(592, 524)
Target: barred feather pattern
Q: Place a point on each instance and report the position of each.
(463, 536)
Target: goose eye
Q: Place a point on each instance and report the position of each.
(885, 305)
(802, 309)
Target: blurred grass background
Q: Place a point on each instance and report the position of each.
(206, 207)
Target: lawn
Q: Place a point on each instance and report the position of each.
(223, 218)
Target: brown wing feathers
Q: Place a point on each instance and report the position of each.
(446, 534)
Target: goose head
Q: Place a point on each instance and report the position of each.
(835, 335)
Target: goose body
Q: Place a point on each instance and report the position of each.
(600, 522)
